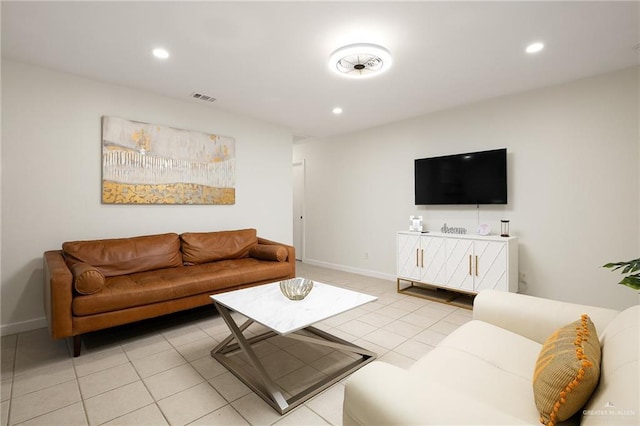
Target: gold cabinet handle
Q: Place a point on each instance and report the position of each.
(476, 266)
(422, 258)
(469, 264)
(417, 256)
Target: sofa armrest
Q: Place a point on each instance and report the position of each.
(534, 317)
(380, 394)
(58, 294)
(291, 254)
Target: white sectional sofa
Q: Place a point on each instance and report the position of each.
(482, 372)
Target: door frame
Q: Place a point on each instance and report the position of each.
(299, 250)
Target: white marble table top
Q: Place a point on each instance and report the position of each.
(267, 305)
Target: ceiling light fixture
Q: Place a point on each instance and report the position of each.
(160, 53)
(337, 110)
(535, 47)
(360, 60)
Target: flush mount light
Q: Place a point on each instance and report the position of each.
(535, 47)
(160, 53)
(360, 60)
(337, 111)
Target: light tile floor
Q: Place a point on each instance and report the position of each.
(159, 372)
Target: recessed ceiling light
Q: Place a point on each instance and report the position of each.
(337, 110)
(535, 47)
(160, 53)
(360, 60)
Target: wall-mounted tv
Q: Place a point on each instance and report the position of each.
(471, 178)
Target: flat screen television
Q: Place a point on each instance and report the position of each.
(471, 178)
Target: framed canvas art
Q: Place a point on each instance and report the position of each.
(151, 164)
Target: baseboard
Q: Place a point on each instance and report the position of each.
(20, 327)
(365, 272)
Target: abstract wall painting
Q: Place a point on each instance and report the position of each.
(150, 164)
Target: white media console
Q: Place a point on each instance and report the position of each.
(453, 268)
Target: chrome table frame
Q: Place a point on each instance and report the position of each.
(263, 385)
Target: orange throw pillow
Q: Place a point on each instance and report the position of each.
(567, 371)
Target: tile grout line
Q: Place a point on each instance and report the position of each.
(205, 380)
(145, 385)
(129, 362)
(13, 375)
(75, 373)
(229, 403)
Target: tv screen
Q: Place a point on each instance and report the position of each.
(472, 178)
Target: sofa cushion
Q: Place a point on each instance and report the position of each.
(145, 288)
(269, 252)
(203, 247)
(86, 278)
(472, 362)
(567, 371)
(383, 394)
(616, 399)
(121, 256)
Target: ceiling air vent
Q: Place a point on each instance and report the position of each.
(202, 97)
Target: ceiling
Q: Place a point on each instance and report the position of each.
(269, 60)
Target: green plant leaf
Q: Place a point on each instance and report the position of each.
(615, 266)
(633, 280)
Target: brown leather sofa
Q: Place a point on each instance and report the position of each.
(93, 285)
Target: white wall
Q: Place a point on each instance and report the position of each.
(573, 176)
(51, 176)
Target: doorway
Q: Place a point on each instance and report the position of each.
(298, 208)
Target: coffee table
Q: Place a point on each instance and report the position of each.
(266, 305)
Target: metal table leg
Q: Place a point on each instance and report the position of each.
(263, 385)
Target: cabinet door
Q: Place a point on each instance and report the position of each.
(408, 252)
(433, 260)
(490, 269)
(459, 263)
